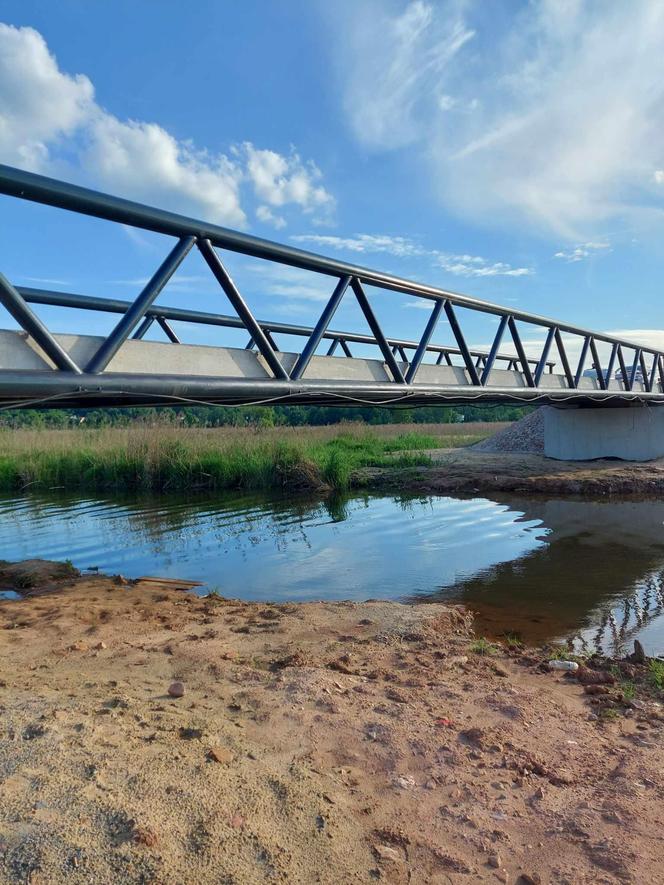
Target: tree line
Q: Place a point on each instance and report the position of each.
(259, 416)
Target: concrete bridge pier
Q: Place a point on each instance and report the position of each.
(582, 433)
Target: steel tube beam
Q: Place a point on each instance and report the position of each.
(40, 189)
(376, 330)
(541, 365)
(320, 328)
(30, 322)
(582, 360)
(635, 366)
(525, 365)
(494, 351)
(172, 337)
(424, 343)
(612, 362)
(139, 334)
(240, 306)
(652, 380)
(461, 343)
(597, 364)
(623, 368)
(136, 312)
(116, 388)
(113, 305)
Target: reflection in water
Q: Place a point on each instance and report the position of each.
(542, 569)
(598, 580)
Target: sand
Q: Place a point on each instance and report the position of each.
(317, 742)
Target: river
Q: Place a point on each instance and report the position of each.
(588, 571)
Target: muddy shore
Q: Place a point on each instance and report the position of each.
(465, 470)
(317, 742)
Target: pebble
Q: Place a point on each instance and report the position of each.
(386, 853)
(220, 754)
(495, 861)
(176, 689)
(404, 782)
(100, 646)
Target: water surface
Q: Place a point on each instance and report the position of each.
(541, 569)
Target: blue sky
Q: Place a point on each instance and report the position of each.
(511, 150)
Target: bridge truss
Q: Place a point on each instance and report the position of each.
(123, 368)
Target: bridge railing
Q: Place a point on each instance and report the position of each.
(640, 368)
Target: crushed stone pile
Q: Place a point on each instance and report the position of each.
(526, 435)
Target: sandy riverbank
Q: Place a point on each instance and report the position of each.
(319, 742)
(470, 471)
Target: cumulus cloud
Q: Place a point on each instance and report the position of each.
(39, 105)
(50, 122)
(401, 247)
(278, 180)
(267, 216)
(144, 160)
(550, 115)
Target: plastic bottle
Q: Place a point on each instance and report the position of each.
(570, 666)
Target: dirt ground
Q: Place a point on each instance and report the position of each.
(314, 743)
(468, 470)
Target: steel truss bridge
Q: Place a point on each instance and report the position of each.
(124, 369)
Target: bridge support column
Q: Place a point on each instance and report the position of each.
(634, 433)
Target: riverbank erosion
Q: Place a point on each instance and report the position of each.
(469, 471)
(150, 735)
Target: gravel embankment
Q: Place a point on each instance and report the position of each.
(526, 435)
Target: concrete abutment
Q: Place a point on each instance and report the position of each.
(631, 433)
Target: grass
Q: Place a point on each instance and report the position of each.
(167, 458)
(513, 641)
(483, 647)
(628, 689)
(656, 674)
(564, 653)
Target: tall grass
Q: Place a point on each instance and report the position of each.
(163, 457)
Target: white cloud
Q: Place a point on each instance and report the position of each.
(50, 122)
(567, 100)
(582, 251)
(475, 266)
(394, 61)
(267, 216)
(419, 304)
(187, 282)
(144, 160)
(290, 283)
(39, 105)
(401, 247)
(278, 180)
